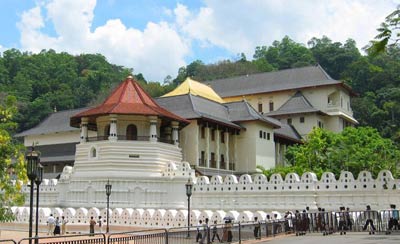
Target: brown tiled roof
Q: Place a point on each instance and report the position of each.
(128, 98)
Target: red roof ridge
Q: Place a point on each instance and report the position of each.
(133, 99)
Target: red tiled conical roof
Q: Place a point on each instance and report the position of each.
(128, 98)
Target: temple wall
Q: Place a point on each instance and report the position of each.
(248, 193)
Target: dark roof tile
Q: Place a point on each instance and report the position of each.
(288, 79)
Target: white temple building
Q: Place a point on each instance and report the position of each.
(149, 148)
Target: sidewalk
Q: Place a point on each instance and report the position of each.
(20, 231)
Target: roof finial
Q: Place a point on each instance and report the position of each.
(130, 77)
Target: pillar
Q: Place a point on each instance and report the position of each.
(207, 146)
(235, 160)
(196, 145)
(175, 135)
(113, 128)
(226, 135)
(84, 130)
(153, 129)
(217, 143)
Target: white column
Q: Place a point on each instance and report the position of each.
(196, 145)
(84, 130)
(175, 137)
(153, 128)
(277, 154)
(207, 146)
(226, 135)
(217, 143)
(113, 128)
(235, 161)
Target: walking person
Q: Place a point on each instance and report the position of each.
(370, 222)
(57, 229)
(63, 225)
(349, 220)
(229, 231)
(394, 219)
(342, 221)
(215, 232)
(51, 223)
(257, 228)
(198, 236)
(206, 237)
(92, 224)
(100, 225)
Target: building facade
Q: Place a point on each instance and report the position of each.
(232, 125)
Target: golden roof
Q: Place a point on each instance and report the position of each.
(193, 87)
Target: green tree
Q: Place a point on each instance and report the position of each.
(12, 168)
(354, 150)
(389, 34)
(285, 54)
(334, 56)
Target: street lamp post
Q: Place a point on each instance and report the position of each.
(108, 193)
(32, 159)
(189, 186)
(38, 181)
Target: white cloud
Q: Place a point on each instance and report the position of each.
(157, 51)
(2, 49)
(241, 25)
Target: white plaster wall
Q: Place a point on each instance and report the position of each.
(142, 123)
(241, 198)
(246, 150)
(187, 138)
(317, 96)
(264, 152)
(310, 121)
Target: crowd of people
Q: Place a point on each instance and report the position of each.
(55, 226)
(302, 222)
(299, 222)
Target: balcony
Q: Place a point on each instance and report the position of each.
(222, 165)
(231, 166)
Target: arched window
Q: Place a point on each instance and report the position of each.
(131, 132)
(93, 152)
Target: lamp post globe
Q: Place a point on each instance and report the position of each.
(32, 161)
(38, 181)
(189, 186)
(108, 193)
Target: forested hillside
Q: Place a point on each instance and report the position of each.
(48, 80)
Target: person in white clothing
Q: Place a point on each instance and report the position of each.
(51, 224)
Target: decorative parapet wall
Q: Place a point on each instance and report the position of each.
(139, 217)
(246, 193)
(295, 192)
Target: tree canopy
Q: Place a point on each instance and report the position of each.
(50, 81)
(12, 169)
(389, 34)
(354, 150)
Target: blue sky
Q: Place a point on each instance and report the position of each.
(156, 37)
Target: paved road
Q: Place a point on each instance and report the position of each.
(359, 238)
